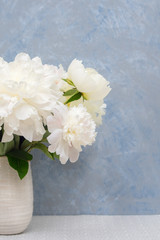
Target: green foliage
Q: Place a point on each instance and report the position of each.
(44, 149)
(55, 155)
(74, 97)
(69, 82)
(6, 147)
(18, 159)
(70, 92)
(20, 154)
(17, 152)
(1, 134)
(16, 141)
(74, 93)
(25, 144)
(44, 139)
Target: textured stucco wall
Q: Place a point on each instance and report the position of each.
(120, 173)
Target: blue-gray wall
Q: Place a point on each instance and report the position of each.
(120, 173)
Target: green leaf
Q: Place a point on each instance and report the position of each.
(1, 134)
(70, 92)
(6, 147)
(55, 155)
(20, 154)
(74, 97)
(44, 149)
(18, 160)
(25, 144)
(16, 141)
(19, 165)
(44, 139)
(68, 81)
(2, 149)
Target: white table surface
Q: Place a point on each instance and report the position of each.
(91, 228)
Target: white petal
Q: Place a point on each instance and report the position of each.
(7, 138)
(53, 123)
(26, 131)
(52, 148)
(62, 151)
(54, 140)
(31, 130)
(76, 72)
(63, 159)
(24, 111)
(73, 154)
(88, 81)
(55, 136)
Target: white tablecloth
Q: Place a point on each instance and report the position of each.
(91, 228)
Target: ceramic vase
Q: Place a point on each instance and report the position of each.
(16, 199)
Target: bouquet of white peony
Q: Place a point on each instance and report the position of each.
(44, 107)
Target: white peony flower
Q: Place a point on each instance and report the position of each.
(95, 108)
(57, 75)
(28, 93)
(70, 129)
(93, 85)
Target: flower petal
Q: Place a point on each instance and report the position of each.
(54, 139)
(73, 154)
(7, 138)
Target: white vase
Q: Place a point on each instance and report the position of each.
(16, 199)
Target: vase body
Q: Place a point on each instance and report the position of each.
(16, 199)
